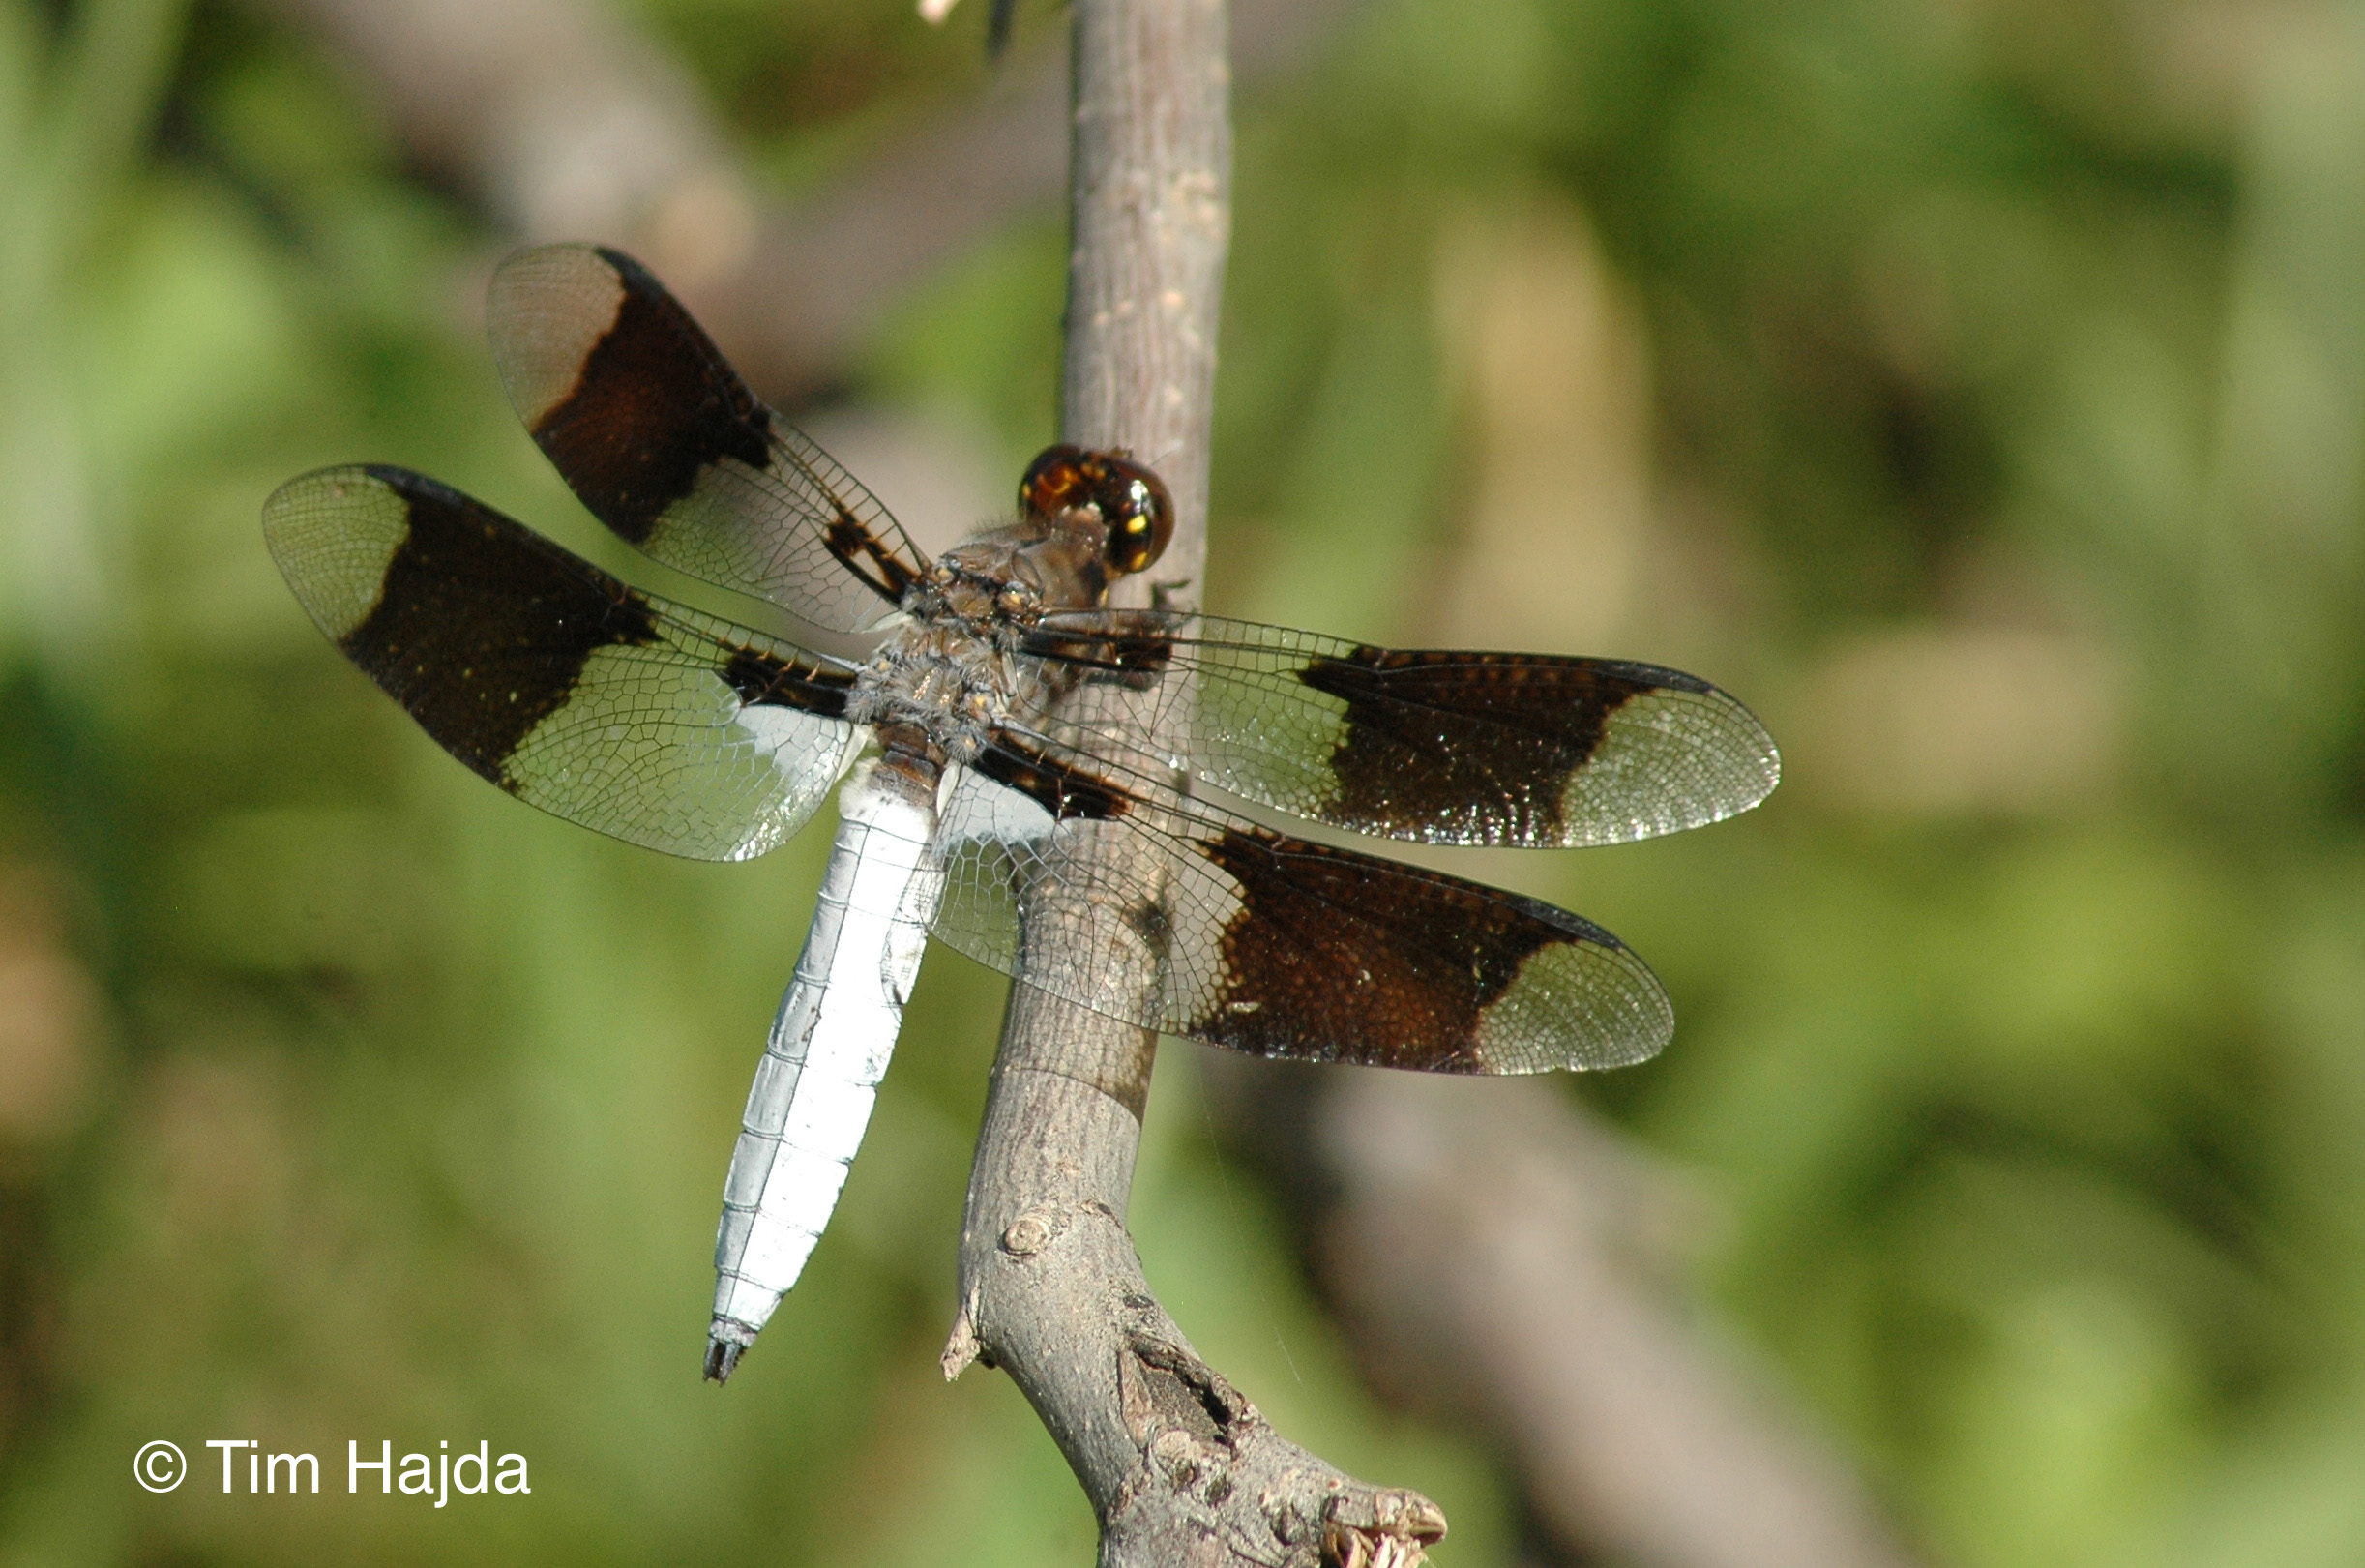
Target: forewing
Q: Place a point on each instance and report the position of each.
(568, 689)
(1521, 750)
(658, 436)
(1268, 944)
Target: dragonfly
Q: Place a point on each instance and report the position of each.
(1013, 744)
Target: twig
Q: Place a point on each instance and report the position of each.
(1180, 1468)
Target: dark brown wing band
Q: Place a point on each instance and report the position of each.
(1271, 945)
(661, 439)
(1537, 751)
(483, 628)
(565, 687)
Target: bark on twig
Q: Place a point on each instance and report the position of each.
(1180, 1468)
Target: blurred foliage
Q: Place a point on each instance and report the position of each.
(1978, 388)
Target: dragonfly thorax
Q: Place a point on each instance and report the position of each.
(982, 588)
(954, 669)
(942, 679)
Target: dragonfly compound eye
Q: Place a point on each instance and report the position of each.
(1132, 502)
(1140, 515)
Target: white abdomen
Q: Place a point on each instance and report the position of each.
(829, 1049)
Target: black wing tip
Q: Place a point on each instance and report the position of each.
(1659, 676)
(406, 481)
(636, 277)
(1552, 915)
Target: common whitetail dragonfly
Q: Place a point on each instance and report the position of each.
(983, 781)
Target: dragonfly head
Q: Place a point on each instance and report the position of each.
(1130, 503)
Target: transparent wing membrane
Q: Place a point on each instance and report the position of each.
(1191, 921)
(1516, 750)
(568, 689)
(662, 441)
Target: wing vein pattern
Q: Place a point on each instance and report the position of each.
(1437, 746)
(568, 689)
(1270, 944)
(661, 440)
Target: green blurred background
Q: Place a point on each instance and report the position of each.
(1976, 387)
